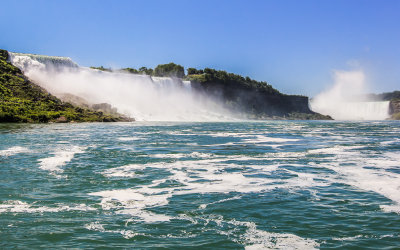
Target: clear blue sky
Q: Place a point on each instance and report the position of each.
(293, 45)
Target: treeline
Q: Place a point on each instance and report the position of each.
(208, 75)
(162, 70)
(201, 76)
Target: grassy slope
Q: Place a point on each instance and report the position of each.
(23, 101)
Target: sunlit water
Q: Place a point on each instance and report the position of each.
(255, 185)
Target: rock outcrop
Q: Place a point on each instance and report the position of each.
(394, 109)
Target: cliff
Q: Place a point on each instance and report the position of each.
(21, 100)
(394, 109)
(394, 105)
(258, 99)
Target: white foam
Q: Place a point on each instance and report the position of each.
(266, 139)
(204, 206)
(204, 175)
(227, 134)
(348, 238)
(258, 139)
(395, 141)
(170, 156)
(253, 238)
(181, 155)
(60, 158)
(95, 226)
(342, 150)
(127, 234)
(128, 138)
(13, 151)
(123, 171)
(366, 171)
(16, 206)
(259, 239)
(132, 202)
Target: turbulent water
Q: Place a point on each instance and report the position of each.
(253, 185)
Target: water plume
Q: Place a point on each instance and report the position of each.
(347, 99)
(142, 97)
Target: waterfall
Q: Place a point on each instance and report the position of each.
(345, 99)
(26, 60)
(354, 110)
(368, 110)
(142, 97)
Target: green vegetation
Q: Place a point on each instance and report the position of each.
(222, 77)
(23, 101)
(203, 76)
(162, 70)
(396, 116)
(169, 70)
(102, 68)
(141, 70)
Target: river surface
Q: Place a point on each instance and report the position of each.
(253, 185)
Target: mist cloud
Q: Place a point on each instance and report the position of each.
(345, 99)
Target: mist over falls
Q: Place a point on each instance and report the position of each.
(142, 97)
(347, 99)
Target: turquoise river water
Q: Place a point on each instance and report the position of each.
(253, 185)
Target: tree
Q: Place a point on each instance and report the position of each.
(147, 71)
(169, 70)
(192, 71)
(131, 70)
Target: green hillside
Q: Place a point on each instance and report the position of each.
(23, 101)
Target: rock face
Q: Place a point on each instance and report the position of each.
(394, 109)
(394, 106)
(83, 103)
(104, 107)
(261, 103)
(257, 99)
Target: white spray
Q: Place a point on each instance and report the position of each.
(343, 100)
(139, 96)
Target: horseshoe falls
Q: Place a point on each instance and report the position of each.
(346, 99)
(363, 110)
